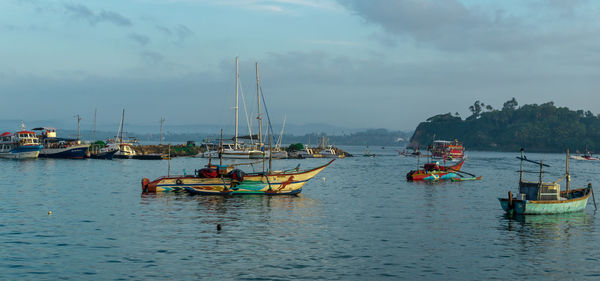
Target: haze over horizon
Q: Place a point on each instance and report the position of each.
(349, 63)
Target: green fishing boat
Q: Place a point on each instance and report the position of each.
(541, 198)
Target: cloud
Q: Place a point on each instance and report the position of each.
(152, 58)
(450, 25)
(81, 12)
(139, 38)
(178, 33)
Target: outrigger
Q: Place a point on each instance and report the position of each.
(227, 180)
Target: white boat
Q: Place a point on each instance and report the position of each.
(20, 145)
(240, 150)
(125, 148)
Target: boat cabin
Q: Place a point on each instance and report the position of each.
(431, 167)
(535, 191)
(46, 132)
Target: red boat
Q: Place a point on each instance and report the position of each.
(448, 150)
(433, 171)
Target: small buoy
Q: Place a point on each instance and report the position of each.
(49, 212)
(323, 178)
(219, 227)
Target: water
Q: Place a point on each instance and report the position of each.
(357, 220)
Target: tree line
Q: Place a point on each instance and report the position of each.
(542, 128)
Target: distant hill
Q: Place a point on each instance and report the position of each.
(541, 128)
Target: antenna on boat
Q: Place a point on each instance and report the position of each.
(169, 165)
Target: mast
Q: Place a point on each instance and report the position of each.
(78, 130)
(237, 77)
(162, 121)
(258, 100)
(568, 175)
(94, 137)
(121, 127)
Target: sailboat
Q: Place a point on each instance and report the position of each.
(240, 150)
(228, 180)
(125, 148)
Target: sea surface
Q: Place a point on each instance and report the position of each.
(357, 220)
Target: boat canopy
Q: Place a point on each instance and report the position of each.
(26, 132)
(44, 129)
(5, 134)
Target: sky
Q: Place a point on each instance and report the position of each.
(350, 63)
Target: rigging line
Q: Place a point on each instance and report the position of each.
(246, 111)
(267, 112)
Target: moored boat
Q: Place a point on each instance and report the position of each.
(224, 180)
(100, 150)
(541, 198)
(434, 171)
(60, 147)
(20, 145)
(448, 150)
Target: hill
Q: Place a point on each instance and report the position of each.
(541, 128)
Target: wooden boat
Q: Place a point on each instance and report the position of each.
(224, 180)
(459, 179)
(448, 150)
(433, 172)
(541, 198)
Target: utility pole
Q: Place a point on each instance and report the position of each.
(162, 121)
(78, 130)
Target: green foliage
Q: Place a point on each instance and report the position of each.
(296, 147)
(544, 128)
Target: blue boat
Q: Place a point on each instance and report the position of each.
(543, 198)
(60, 147)
(20, 145)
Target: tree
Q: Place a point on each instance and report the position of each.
(510, 105)
(489, 107)
(475, 109)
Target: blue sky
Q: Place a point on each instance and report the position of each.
(351, 63)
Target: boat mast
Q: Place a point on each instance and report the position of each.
(121, 127)
(95, 110)
(237, 77)
(521, 170)
(258, 99)
(78, 130)
(568, 175)
(162, 121)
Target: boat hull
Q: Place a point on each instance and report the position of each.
(284, 183)
(71, 152)
(444, 173)
(547, 207)
(22, 152)
(104, 155)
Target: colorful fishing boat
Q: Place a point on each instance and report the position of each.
(225, 180)
(434, 172)
(20, 145)
(542, 198)
(448, 150)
